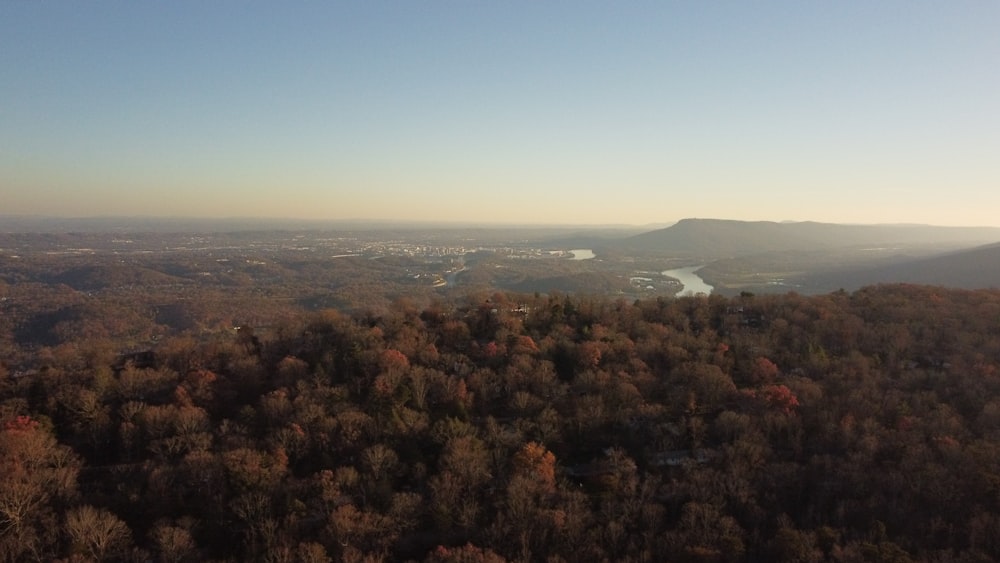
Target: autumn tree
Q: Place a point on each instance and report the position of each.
(38, 476)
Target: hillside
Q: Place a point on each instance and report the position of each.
(968, 269)
(705, 239)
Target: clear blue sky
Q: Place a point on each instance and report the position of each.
(529, 112)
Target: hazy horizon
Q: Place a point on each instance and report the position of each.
(502, 114)
(120, 221)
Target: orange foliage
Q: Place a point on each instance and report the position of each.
(763, 371)
(537, 463)
(393, 360)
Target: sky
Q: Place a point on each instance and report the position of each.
(503, 112)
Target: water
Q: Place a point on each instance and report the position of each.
(690, 280)
(583, 254)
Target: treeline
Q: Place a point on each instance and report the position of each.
(843, 427)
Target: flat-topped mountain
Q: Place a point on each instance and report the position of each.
(716, 238)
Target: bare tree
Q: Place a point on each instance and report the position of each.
(97, 532)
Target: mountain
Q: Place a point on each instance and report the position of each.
(975, 268)
(707, 239)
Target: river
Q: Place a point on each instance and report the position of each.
(690, 280)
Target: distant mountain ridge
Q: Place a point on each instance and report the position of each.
(719, 238)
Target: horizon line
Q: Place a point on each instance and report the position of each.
(442, 223)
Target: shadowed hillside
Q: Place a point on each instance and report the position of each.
(103, 276)
(969, 269)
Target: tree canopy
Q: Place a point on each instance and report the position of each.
(857, 426)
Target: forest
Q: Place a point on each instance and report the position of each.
(850, 426)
